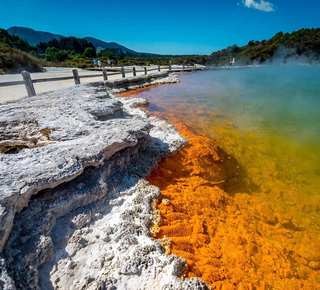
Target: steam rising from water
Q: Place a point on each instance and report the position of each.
(282, 99)
(292, 57)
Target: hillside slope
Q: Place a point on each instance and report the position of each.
(102, 45)
(33, 37)
(14, 60)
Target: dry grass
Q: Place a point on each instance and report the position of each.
(13, 61)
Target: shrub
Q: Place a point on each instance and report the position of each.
(13, 60)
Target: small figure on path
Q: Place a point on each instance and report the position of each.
(109, 62)
(99, 63)
(95, 63)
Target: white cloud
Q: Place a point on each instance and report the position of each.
(262, 5)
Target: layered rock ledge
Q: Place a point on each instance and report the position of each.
(75, 209)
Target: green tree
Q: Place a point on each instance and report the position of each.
(51, 54)
(89, 52)
(106, 53)
(62, 55)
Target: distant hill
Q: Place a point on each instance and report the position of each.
(102, 45)
(34, 37)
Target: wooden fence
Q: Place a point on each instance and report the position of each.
(76, 77)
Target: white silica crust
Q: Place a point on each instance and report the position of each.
(75, 208)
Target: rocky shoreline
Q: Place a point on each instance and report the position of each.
(75, 207)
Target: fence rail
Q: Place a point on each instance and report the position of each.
(14, 83)
(28, 82)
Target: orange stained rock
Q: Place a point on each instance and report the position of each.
(229, 238)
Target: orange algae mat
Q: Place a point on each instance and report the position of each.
(231, 236)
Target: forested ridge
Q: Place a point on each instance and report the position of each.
(16, 54)
(303, 45)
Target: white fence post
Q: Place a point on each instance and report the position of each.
(28, 82)
(105, 75)
(76, 77)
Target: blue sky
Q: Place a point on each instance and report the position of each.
(164, 26)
